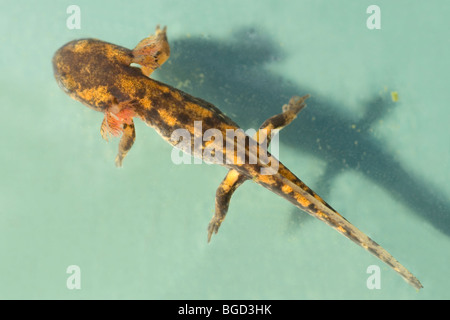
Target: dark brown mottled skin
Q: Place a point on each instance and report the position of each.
(99, 75)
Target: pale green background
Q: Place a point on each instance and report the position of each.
(140, 231)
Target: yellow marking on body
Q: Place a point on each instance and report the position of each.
(302, 200)
(128, 84)
(146, 103)
(318, 197)
(176, 95)
(81, 46)
(321, 215)
(199, 111)
(286, 189)
(167, 117)
(94, 95)
(232, 177)
(342, 230)
(267, 179)
(162, 88)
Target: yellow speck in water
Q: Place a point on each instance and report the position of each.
(394, 96)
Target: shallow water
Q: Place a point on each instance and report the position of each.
(140, 231)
